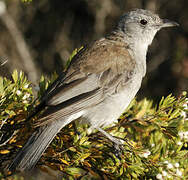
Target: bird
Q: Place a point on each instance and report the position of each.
(99, 83)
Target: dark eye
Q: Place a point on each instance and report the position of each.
(143, 22)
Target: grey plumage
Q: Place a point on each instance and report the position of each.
(36, 145)
(99, 84)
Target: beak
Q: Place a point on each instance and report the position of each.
(168, 23)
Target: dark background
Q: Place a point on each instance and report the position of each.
(47, 31)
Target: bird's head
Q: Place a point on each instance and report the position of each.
(142, 25)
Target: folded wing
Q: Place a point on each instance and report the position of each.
(94, 70)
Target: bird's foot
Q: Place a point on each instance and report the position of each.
(118, 146)
(117, 143)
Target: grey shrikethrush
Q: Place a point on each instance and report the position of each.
(98, 85)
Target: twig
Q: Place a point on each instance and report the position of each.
(5, 61)
(8, 139)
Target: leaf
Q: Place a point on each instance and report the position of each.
(72, 149)
(4, 151)
(1, 86)
(15, 76)
(64, 161)
(72, 55)
(83, 140)
(74, 171)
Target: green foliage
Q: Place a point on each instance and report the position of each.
(155, 138)
(72, 55)
(15, 95)
(44, 83)
(26, 1)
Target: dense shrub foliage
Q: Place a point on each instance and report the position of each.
(155, 138)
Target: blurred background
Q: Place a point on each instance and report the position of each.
(39, 36)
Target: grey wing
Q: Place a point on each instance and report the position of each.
(72, 97)
(87, 82)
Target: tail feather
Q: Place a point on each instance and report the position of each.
(28, 156)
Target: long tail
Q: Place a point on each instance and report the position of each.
(28, 156)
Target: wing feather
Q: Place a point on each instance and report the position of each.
(96, 69)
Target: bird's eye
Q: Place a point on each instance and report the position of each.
(143, 22)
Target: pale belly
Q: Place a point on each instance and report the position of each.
(111, 108)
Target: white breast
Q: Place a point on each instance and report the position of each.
(111, 108)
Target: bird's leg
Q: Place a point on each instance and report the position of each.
(75, 129)
(116, 142)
